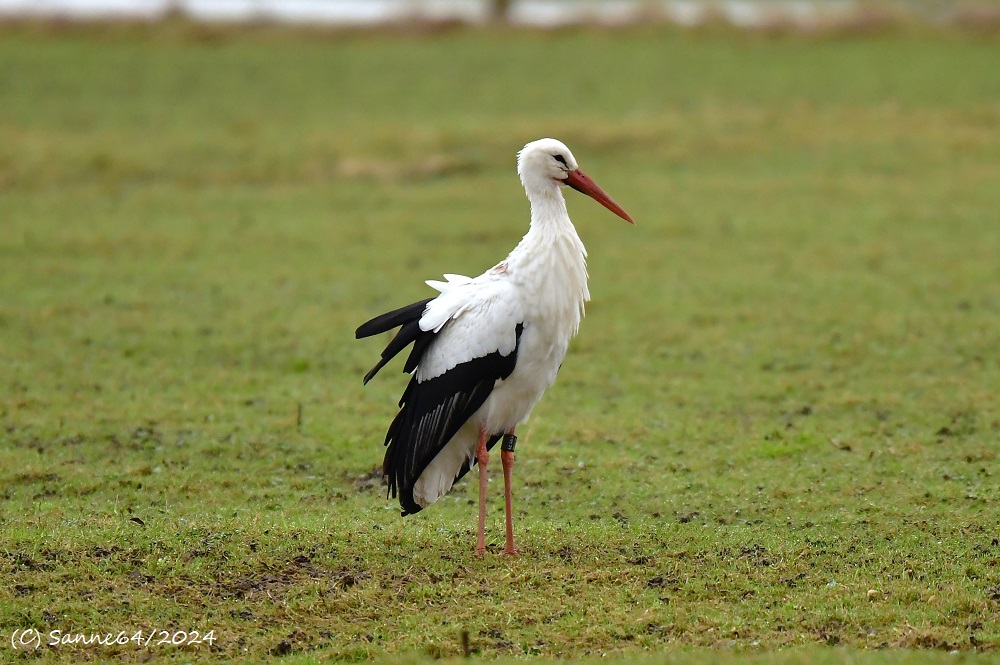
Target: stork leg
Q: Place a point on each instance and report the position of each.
(482, 458)
(507, 457)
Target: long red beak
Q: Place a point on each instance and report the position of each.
(579, 181)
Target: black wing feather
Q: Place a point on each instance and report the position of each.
(431, 412)
(397, 317)
(409, 318)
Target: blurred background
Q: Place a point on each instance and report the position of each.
(806, 14)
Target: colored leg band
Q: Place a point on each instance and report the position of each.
(509, 441)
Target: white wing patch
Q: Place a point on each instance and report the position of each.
(452, 281)
(472, 318)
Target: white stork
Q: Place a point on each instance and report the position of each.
(486, 348)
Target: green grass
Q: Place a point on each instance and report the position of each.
(777, 430)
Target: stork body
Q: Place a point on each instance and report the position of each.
(487, 348)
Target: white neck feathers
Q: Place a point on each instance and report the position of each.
(551, 260)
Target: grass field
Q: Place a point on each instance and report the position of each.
(777, 431)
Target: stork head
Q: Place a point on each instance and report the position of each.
(548, 163)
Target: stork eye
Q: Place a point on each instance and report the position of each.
(560, 159)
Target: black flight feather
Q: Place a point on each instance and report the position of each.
(397, 317)
(431, 412)
(409, 319)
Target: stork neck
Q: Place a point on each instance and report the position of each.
(551, 240)
(548, 212)
(551, 262)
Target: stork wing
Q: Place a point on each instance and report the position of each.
(464, 342)
(408, 318)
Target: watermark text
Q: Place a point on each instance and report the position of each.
(29, 639)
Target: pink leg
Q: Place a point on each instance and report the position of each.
(507, 457)
(483, 458)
